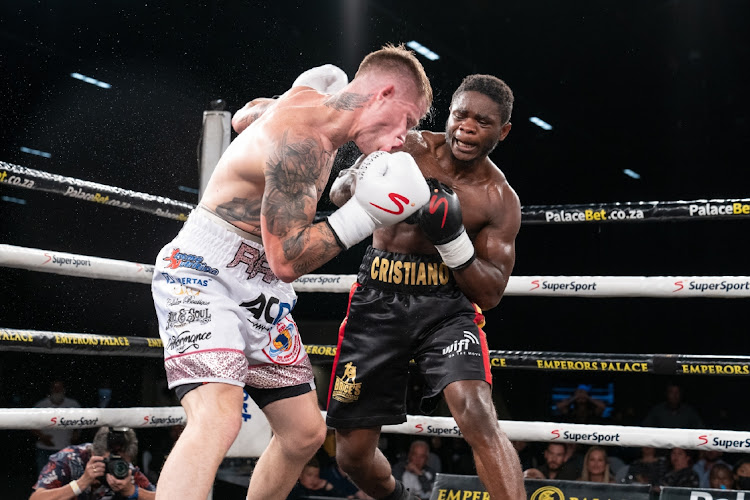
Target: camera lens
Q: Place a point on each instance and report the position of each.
(118, 467)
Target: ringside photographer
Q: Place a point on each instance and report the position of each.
(101, 470)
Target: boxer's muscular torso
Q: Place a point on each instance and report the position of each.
(288, 131)
(482, 190)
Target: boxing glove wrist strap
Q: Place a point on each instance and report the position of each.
(458, 253)
(351, 224)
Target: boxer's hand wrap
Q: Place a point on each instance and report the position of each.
(388, 189)
(326, 79)
(442, 222)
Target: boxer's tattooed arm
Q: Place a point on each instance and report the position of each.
(347, 101)
(295, 173)
(242, 210)
(250, 112)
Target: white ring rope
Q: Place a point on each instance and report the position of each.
(608, 435)
(724, 287)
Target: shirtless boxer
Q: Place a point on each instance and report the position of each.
(415, 295)
(222, 287)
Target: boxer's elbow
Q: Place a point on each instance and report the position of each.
(488, 301)
(281, 267)
(486, 297)
(285, 271)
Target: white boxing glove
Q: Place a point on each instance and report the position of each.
(326, 79)
(389, 188)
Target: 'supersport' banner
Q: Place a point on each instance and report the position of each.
(454, 487)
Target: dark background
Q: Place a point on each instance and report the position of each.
(657, 86)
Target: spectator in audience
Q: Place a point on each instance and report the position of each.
(416, 475)
(721, 477)
(88, 471)
(555, 466)
(310, 483)
(742, 474)
(708, 459)
(596, 466)
(526, 454)
(51, 441)
(648, 469)
(682, 473)
(580, 407)
(673, 412)
(341, 481)
(574, 457)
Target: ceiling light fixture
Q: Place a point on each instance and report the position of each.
(36, 152)
(187, 189)
(421, 49)
(630, 173)
(10, 199)
(92, 81)
(540, 123)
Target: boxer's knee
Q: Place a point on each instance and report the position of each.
(355, 457)
(215, 410)
(475, 414)
(305, 440)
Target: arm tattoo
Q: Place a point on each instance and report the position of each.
(242, 210)
(291, 195)
(321, 250)
(347, 101)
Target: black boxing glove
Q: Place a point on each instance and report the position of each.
(442, 222)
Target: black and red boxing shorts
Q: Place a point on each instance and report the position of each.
(402, 307)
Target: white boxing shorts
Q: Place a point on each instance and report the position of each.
(223, 314)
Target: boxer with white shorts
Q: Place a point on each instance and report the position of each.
(222, 287)
(224, 316)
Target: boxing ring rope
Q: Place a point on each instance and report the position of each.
(34, 259)
(145, 347)
(639, 211)
(611, 435)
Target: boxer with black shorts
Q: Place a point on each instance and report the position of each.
(222, 287)
(417, 294)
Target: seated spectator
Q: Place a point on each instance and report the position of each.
(310, 483)
(580, 407)
(50, 441)
(707, 461)
(574, 457)
(340, 481)
(673, 412)
(555, 466)
(682, 473)
(596, 466)
(101, 469)
(742, 474)
(721, 477)
(416, 475)
(526, 454)
(648, 469)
